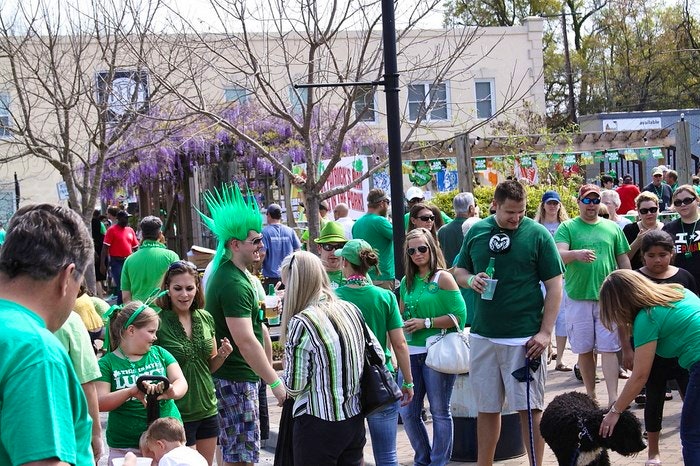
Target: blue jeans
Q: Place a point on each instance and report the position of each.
(438, 387)
(690, 418)
(382, 430)
(115, 269)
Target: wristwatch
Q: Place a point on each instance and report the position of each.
(428, 322)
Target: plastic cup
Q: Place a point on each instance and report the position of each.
(489, 289)
(271, 311)
(408, 335)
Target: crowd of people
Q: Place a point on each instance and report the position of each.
(197, 351)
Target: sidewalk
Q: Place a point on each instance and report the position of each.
(557, 383)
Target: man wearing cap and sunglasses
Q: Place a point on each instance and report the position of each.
(661, 189)
(332, 238)
(591, 247)
(374, 228)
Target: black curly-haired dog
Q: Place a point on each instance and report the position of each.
(570, 426)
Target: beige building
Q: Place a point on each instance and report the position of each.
(467, 79)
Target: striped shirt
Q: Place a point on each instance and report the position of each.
(324, 359)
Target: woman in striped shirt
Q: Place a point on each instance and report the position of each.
(323, 358)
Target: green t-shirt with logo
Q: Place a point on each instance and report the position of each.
(337, 279)
(143, 270)
(379, 308)
(231, 294)
(676, 329)
(192, 353)
(43, 412)
(126, 423)
(524, 257)
(377, 231)
(583, 279)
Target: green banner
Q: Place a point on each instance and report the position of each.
(569, 160)
(631, 154)
(586, 158)
(613, 156)
(598, 156)
(480, 164)
(657, 153)
(526, 162)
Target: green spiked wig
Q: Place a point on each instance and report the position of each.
(232, 217)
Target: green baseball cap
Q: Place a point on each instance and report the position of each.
(351, 251)
(332, 232)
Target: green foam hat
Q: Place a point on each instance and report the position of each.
(351, 251)
(332, 232)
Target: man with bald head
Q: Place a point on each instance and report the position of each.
(340, 213)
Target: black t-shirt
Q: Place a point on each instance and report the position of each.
(631, 232)
(682, 277)
(686, 238)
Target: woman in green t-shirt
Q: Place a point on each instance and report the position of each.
(132, 332)
(429, 295)
(381, 313)
(665, 320)
(187, 331)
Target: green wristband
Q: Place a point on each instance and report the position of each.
(407, 385)
(276, 383)
(470, 281)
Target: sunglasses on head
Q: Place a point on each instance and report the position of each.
(427, 218)
(523, 374)
(182, 265)
(421, 249)
(588, 200)
(331, 246)
(685, 201)
(650, 210)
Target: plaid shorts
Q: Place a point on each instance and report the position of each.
(239, 436)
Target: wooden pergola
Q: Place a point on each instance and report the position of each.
(465, 148)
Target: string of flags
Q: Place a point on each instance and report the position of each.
(569, 159)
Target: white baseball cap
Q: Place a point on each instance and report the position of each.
(414, 192)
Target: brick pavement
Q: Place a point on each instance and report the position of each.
(557, 383)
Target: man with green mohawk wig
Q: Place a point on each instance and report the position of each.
(232, 301)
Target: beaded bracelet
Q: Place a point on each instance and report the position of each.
(470, 281)
(407, 385)
(276, 383)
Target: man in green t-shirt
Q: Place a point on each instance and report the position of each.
(332, 237)
(143, 270)
(592, 247)
(46, 252)
(517, 322)
(374, 228)
(232, 301)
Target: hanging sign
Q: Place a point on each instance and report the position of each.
(569, 160)
(657, 153)
(526, 162)
(630, 154)
(586, 158)
(598, 156)
(480, 164)
(613, 156)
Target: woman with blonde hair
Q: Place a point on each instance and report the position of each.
(323, 359)
(664, 319)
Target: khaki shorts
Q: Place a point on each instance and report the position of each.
(492, 380)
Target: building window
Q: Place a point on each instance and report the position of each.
(428, 96)
(485, 103)
(365, 105)
(4, 115)
(297, 99)
(236, 94)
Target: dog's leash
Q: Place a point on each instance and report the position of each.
(529, 417)
(582, 431)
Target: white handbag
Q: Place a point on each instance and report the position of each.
(449, 352)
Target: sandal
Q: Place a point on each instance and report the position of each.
(654, 462)
(562, 368)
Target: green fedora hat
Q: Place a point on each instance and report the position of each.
(332, 232)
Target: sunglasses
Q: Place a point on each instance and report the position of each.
(604, 215)
(588, 200)
(255, 241)
(650, 210)
(420, 249)
(427, 218)
(331, 246)
(686, 201)
(182, 265)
